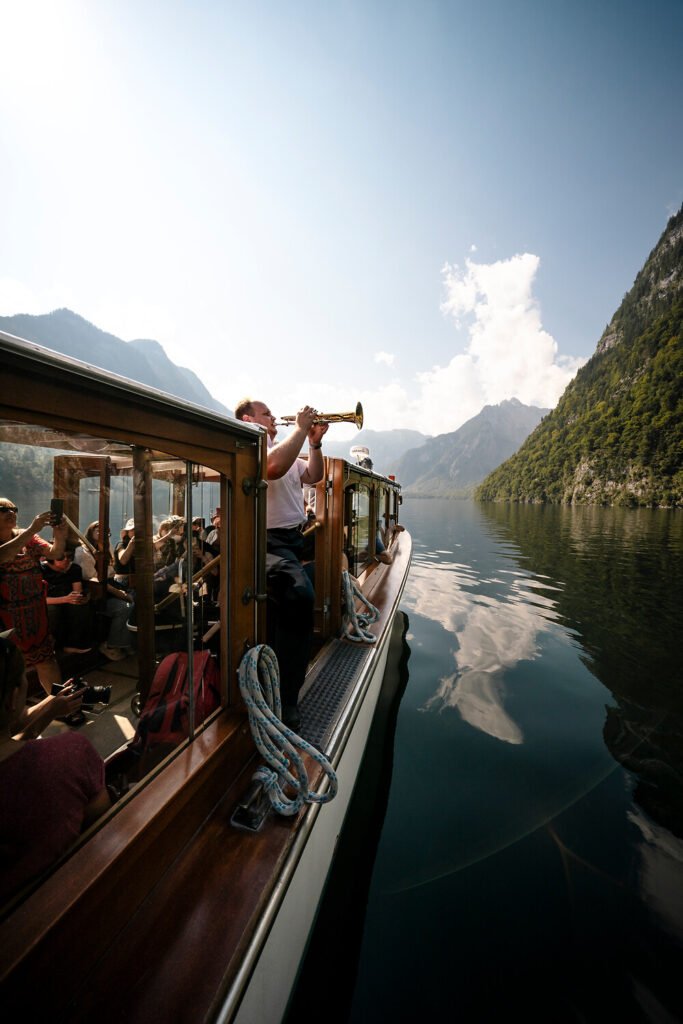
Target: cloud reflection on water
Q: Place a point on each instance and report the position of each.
(661, 857)
(493, 631)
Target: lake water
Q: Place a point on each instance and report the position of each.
(526, 859)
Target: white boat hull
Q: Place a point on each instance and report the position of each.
(274, 975)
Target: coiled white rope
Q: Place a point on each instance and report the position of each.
(259, 681)
(355, 624)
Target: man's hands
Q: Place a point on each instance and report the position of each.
(305, 421)
(305, 417)
(315, 434)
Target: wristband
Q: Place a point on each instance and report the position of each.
(315, 446)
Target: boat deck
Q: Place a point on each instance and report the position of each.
(215, 897)
(328, 686)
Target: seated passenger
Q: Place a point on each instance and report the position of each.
(385, 540)
(177, 572)
(167, 543)
(118, 601)
(51, 789)
(67, 604)
(198, 531)
(211, 540)
(212, 536)
(163, 580)
(381, 553)
(30, 720)
(124, 556)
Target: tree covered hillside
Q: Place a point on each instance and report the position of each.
(616, 435)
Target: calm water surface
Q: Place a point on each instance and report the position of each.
(530, 862)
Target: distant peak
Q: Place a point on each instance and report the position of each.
(147, 344)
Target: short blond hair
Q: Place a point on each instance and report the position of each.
(245, 407)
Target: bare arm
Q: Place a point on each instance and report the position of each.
(11, 548)
(127, 553)
(33, 720)
(96, 808)
(58, 540)
(315, 470)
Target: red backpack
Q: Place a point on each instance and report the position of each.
(165, 718)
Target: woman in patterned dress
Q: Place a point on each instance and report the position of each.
(23, 606)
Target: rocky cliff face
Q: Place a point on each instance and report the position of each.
(616, 435)
(654, 290)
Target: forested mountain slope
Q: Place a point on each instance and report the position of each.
(616, 435)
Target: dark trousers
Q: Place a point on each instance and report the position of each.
(289, 617)
(71, 624)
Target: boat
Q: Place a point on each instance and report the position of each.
(192, 898)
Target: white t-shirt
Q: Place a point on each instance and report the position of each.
(86, 562)
(285, 498)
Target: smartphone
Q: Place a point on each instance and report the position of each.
(57, 511)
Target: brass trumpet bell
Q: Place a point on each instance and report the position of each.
(332, 417)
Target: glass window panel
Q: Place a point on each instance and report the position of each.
(103, 614)
(359, 533)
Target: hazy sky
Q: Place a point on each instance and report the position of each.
(428, 206)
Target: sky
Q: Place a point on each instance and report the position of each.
(426, 206)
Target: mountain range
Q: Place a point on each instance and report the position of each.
(450, 465)
(142, 360)
(386, 447)
(446, 465)
(616, 435)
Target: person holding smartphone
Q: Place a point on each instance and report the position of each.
(68, 604)
(23, 604)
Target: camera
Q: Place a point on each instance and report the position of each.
(91, 694)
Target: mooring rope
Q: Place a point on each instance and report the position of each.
(353, 620)
(259, 680)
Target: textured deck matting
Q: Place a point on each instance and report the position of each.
(332, 681)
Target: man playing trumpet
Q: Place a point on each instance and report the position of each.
(290, 621)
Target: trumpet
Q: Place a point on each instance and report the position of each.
(330, 417)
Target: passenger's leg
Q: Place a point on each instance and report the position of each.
(55, 618)
(290, 633)
(290, 620)
(117, 612)
(78, 631)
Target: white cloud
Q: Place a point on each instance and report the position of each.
(508, 354)
(506, 351)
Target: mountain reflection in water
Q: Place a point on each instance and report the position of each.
(531, 859)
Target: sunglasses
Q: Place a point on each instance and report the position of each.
(9, 508)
